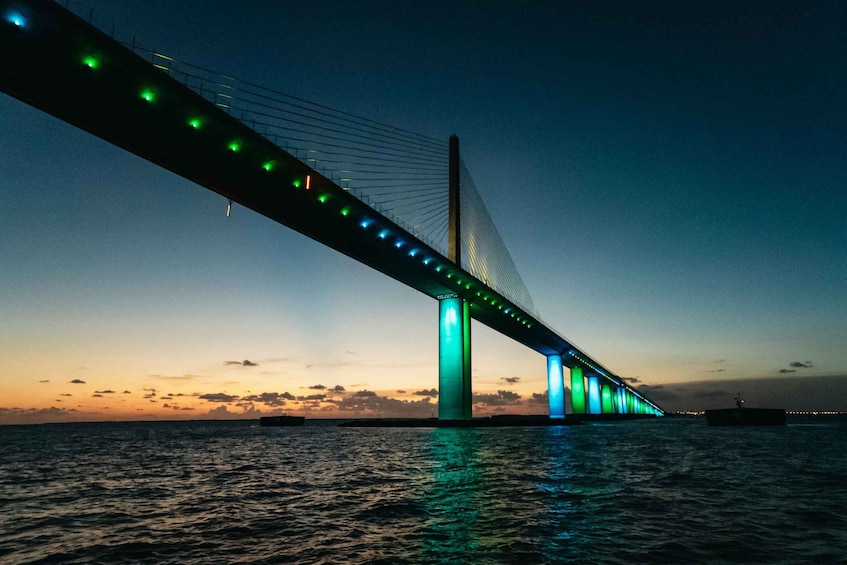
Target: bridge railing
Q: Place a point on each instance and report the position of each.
(401, 174)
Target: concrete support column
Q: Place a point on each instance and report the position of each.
(620, 400)
(594, 405)
(577, 391)
(454, 359)
(555, 386)
(606, 405)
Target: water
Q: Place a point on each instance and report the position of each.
(665, 491)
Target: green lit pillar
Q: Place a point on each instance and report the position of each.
(577, 391)
(606, 399)
(454, 359)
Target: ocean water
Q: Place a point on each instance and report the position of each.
(671, 490)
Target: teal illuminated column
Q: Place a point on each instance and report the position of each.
(594, 395)
(555, 386)
(454, 359)
(577, 390)
(606, 399)
(620, 400)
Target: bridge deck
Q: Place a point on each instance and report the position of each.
(67, 68)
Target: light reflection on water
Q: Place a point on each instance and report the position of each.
(653, 491)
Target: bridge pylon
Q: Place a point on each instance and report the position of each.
(455, 400)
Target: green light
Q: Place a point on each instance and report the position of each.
(323, 198)
(345, 211)
(195, 123)
(468, 286)
(577, 391)
(449, 275)
(297, 183)
(234, 146)
(148, 95)
(269, 165)
(91, 61)
(454, 360)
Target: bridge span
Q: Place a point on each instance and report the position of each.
(61, 64)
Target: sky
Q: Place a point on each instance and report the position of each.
(668, 177)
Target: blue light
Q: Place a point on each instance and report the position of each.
(413, 252)
(365, 223)
(555, 387)
(427, 261)
(383, 234)
(399, 243)
(16, 19)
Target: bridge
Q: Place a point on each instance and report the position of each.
(401, 203)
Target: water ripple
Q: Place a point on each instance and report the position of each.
(647, 492)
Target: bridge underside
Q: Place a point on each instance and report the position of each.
(58, 63)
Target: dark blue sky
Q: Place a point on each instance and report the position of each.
(669, 177)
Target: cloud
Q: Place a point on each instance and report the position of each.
(431, 393)
(45, 381)
(510, 380)
(96, 395)
(77, 382)
(371, 404)
(245, 363)
(716, 371)
(219, 397)
(633, 380)
(799, 365)
(401, 392)
(317, 387)
(65, 394)
(501, 398)
(719, 361)
(311, 397)
(787, 371)
(270, 399)
(105, 391)
(38, 415)
(540, 398)
(127, 392)
(338, 388)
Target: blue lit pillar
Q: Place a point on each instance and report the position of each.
(620, 398)
(454, 359)
(594, 406)
(555, 386)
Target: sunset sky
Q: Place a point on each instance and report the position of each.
(670, 181)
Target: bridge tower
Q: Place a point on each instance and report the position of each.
(454, 328)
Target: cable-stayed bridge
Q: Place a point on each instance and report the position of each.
(402, 203)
